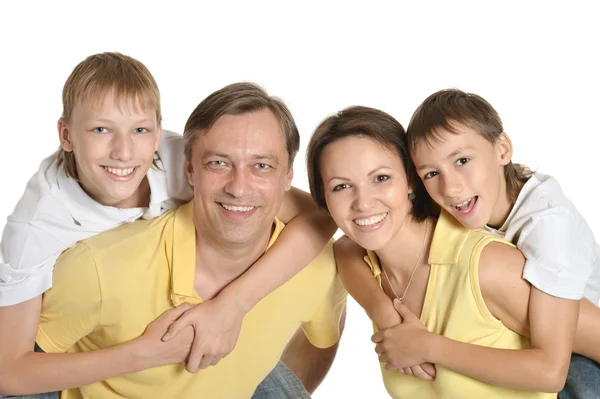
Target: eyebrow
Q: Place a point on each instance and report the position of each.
(451, 155)
(256, 157)
(108, 121)
(377, 169)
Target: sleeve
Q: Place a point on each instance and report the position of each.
(171, 153)
(71, 309)
(323, 330)
(559, 248)
(27, 257)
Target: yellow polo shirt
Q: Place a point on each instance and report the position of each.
(454, 307)
(108, 288)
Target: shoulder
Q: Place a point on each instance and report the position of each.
(130, 235)
(500, 266)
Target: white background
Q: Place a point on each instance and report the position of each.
(536, 62)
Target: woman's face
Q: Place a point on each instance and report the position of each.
(366, 190)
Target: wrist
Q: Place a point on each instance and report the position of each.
(433, 344)
(137, 355)
(235, 300)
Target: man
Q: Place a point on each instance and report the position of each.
(239, 146)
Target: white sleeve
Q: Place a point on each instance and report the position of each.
(560, 251)
(27, 258)
(173, 160)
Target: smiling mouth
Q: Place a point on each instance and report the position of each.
(371, 221)
(121, 172)
(236, 208)
(466, 206)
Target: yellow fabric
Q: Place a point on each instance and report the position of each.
(107, 289)
(454, 307)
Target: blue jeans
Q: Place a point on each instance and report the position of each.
(583, 381)
(281, 383)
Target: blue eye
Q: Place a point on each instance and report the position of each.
(340, 187)
(141, 130)
(263, 166)
(100, 130)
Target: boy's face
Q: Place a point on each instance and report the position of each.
(114, 144)
(240, 173)
(464, 174)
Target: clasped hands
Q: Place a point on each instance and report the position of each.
(199, 335)
(404, 346)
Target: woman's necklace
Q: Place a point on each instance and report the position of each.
(401, 298)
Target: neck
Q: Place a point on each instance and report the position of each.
(401, 254)
(141, 197)
(503, 205)
(218, 263)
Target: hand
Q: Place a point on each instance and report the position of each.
(217, 325)
(403, 346)
(154, 350)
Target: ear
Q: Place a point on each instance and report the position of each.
(64, 136)
(158, 137)
(504, 149)
(289, 178)
(189, 172)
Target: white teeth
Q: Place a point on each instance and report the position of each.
(234, 208)
(468, 203)
(370, 221)
(119, 172)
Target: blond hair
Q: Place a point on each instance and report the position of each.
(104, 73)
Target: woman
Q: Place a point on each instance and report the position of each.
(465, 284)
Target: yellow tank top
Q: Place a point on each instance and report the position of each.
(454, 307)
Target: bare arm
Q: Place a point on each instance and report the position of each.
(217, 322)
(309, 363)
(511, 299)
(361, 285)
(23, 371)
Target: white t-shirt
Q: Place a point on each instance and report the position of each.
(54, 213)
(563, 258)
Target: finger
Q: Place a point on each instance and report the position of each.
(383, 358)
(404, 311)
(390, 367)
(408, 371)
(179, 324)
(377, 337)
(429, 369)
(196, 354)
(420, 373)
(216, 360)
(379, 349)
(205, 362)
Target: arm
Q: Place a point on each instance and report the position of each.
(309, 363)
(217, 322)
(361, 284)
(23, 371)
(510, 299)
(363, 287)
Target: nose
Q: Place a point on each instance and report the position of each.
(122, 147)
(364, 199)
(240, 183)
(451, 184)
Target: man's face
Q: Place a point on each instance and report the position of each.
(239, 171)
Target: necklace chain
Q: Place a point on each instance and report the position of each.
(401, 298)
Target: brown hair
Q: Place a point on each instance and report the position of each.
(364, 122)
(236, 99)
(98, 75)
(441, 110)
